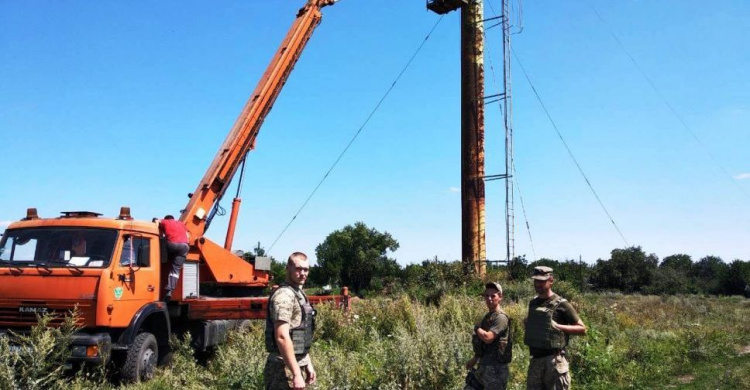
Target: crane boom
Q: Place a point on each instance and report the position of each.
(112, 271)
(241, 138)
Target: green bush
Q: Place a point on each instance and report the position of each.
(239, 363)
(38, 362)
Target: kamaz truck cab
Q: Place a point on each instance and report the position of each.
(107, 270)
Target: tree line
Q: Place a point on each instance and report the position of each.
(631, 270)
(358, 257)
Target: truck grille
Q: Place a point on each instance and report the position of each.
(26, 313)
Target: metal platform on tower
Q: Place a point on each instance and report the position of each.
(444, 6)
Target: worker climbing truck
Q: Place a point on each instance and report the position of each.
(112, 271)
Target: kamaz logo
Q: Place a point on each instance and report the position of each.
(37, 310)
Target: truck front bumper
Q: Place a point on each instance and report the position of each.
(90, 348)
(84, 347)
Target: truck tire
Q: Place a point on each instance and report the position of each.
(243, 326)
(140, 362)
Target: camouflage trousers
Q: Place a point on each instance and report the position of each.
(277, 376)
(492, 377)
(548, 373)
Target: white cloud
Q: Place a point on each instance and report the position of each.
(455, 189)
(742, 176)
(5, 223)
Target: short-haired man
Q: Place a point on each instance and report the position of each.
(550, 321)
(177, 248)
(491, 342)
(289, 329)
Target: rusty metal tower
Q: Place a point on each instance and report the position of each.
(472, 136)
(473, 247)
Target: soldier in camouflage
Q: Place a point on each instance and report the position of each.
(289, 327)
(550, 321)
(492, 344)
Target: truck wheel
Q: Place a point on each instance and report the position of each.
(244, 326)
(140, 362)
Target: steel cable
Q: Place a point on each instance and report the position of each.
(356, 134)
(570, 152)
(665, 101)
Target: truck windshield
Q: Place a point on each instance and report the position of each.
(57, 247)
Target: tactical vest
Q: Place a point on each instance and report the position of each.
(504, 344)
(301, 335)
(477, 346)
(539, 331)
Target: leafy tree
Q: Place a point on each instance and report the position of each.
(669, 280)
(435, 273)
(673, 276)
(354, 255)
(518, 268)
(736, 280)
(677, 262)
(708, 274)
(628, 270)
(317, 277)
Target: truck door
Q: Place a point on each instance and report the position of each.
(136, 279)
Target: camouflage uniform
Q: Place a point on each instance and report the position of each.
(548, 372)
(284, 306)
(492, 377)
(278, 376)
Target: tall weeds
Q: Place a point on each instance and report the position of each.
(36, 359)
(403, 342)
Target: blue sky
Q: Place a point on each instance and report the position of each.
(104, 104)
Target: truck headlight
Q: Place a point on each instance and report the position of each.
(79, 351)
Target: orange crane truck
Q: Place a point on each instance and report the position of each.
(112, 270)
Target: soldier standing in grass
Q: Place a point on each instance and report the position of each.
(290, 323)
(491, 342)
(550, 321)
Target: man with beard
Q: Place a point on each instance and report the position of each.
(550, 321)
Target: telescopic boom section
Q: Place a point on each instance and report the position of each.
(241, 138)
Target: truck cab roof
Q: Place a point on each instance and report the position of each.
(92, 221)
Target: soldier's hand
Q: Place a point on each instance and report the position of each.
(311, 375)
(554, 325)
(298, 383)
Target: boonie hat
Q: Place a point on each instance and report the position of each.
(494, 285)
(542, 273)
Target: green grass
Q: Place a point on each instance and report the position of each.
(634, 342)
